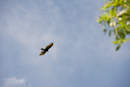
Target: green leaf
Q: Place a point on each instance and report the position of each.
(108, 21)
(109, 33)
(118, 47)
(116, 42)
(121, 34)
(105, 30)
(115, 16)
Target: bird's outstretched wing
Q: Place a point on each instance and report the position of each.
(42, 53)
(49, 46)
(46, 49)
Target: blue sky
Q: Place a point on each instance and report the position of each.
(82, 56)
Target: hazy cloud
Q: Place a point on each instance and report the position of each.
(14, 82)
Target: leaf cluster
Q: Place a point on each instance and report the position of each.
(115, 18)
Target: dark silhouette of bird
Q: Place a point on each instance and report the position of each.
(46, 49)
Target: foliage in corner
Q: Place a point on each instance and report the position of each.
(115, 18)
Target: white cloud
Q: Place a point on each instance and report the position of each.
(14, 82)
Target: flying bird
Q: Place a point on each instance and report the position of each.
(46, 49)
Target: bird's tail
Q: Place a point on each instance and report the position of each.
(42, 49)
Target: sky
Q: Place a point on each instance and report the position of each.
(82, 55)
